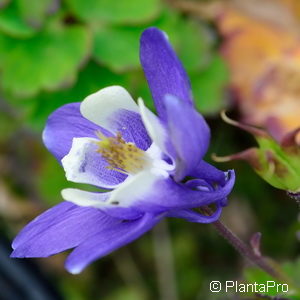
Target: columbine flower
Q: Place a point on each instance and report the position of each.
(151, 166)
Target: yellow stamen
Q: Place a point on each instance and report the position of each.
(121, 156)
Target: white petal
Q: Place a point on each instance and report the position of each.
(99, 201)
(158, 164)
(135, 187)
(84, 198)
(153, 125)
(100, 106)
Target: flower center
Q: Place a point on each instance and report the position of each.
(121, 156)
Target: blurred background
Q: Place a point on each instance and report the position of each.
(241, 55)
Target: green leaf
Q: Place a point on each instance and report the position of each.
(22, 19)
(194, 46)
(117, 47)
(90, 80)
(34, 13)
(291, 270)
(209, 86)
(12, 23)
(47, 61)
(117, 12)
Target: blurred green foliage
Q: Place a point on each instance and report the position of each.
(291, 271)
(56, 52)
(43, 48)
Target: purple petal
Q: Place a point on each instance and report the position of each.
(195, 217)
(63, 125)
(108, 240)
(83, 164)
(130, 125)
(209, 173)
(66, 122)
(189, 134)
(114, 109)
(60, 228)
(168, 195)
(199, 184)
(163, 70)
(41, 222)
(209, 185)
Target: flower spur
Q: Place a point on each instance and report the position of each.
(147, 167)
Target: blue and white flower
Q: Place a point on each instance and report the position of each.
(150, 167)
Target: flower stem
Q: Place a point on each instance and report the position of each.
(244, 249)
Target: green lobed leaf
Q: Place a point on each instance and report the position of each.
(117, 12)
(35, 11)
(209, 86)
(117, 47)
(12, 23)
(194, 45)
(90, 80)
(47, 61)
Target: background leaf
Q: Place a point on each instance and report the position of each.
(117, 47)
(90, 79)
(35, 11)
(291, 269)
(57, 53)
(209, 86)
(121, 11)
(13, 24)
